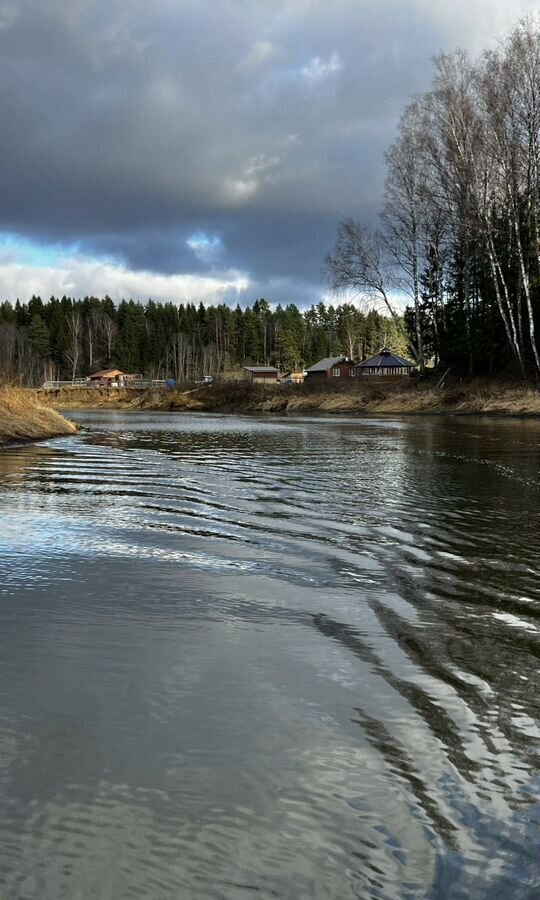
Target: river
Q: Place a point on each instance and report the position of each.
(269, 657)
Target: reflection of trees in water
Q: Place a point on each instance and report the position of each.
(256, 442)
(428, 661)
(388, 745)
(495, 811)
(401, 764)
(15, 460)
(493, 671)
(471, 576)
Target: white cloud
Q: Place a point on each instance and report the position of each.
(318, 69)
(260, 53)
(204, 247)
(238, 191)
(78, 276)
(257, 171)
(475, 24)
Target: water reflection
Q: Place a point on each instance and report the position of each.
(270, 657)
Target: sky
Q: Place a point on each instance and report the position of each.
(205, 150)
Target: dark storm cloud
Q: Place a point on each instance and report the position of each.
(128, 126)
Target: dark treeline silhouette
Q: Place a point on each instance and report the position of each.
(459, 227)
(64, 339)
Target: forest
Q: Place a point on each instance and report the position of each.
(459, 225)
(65, 339)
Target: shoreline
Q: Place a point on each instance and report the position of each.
(24, 418)
(480, 397)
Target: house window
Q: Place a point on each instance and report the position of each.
(337, 373)
(352, 373)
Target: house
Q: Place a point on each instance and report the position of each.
(386, 365)
(261, 374)
(293, 378)
(108, 378)
(330, 368)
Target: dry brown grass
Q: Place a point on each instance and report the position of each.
(23, 418)
(428, 399)
(78, 398)
(509, 399)
(408, 397)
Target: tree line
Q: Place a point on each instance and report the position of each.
(66, 338)
(459, 229)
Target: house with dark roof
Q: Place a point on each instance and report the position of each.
(330, 368)
(261, 374)
(385, 365)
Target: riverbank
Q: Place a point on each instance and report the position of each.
(24, 417)
(408, 397)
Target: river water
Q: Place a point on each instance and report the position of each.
(256, 657)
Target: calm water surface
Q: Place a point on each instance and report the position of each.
(271, 658)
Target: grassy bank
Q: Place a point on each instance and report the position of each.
(23, 417)
(408, 397)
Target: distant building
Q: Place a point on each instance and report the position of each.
(261, 374)
(331, 368)
(109, 378)
(386, 365)
(293, 378)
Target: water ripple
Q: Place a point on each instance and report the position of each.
(249, 656)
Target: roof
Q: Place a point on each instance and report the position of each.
(328, 363)
(385, 360)
(106, 373)
(258, 370)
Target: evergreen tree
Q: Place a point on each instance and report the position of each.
(40, 337)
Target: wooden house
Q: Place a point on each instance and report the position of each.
(330, 368)
(261, 374)
(108, 378)
(386, 366)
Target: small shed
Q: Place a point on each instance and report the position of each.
(385, 365)
(330, 368)
(108, 378)
(261, 374)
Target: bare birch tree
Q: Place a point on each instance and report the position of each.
(74, 349)
(360, 263)
(109, 330)
(404, 215)
(510, 96)
(468, 178)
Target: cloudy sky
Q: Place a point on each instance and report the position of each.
(204, 149)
